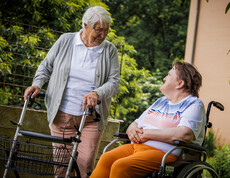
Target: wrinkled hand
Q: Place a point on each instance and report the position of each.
(134, 134)
(90, 99)
(33, 89)
(143, 136)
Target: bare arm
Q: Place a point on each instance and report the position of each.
(168, 135)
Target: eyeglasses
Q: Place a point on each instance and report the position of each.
(100, 31)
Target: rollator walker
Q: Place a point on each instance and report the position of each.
(27, 157)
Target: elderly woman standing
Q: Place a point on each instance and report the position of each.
(82, 68)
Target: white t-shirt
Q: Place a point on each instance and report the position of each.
(81, 76)
(163, 114)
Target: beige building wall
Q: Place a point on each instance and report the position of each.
(212, 43)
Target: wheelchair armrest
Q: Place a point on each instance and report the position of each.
(176, 142)
(189, 145)
(121, 135)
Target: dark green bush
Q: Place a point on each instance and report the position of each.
(221, 161)
(209, 143)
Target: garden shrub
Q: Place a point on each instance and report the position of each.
(221, 161)
(209, 143)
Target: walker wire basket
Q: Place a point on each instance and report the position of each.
(33, 158)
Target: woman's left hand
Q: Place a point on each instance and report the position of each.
(144, 135)
(90, 99)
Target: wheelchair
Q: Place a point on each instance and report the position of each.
(192, 160)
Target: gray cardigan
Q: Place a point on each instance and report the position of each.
(56, 66)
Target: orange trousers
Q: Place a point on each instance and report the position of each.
(130, 161)
(87, 148)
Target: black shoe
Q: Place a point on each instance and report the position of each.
(89, 172)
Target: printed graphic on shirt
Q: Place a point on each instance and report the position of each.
(161, 120)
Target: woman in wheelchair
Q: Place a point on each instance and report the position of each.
(178, 115)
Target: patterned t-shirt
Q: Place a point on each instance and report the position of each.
(163, 114)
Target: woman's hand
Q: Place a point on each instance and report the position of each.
(90, 99)
(134, 132)
(33, 89)
(144, 135)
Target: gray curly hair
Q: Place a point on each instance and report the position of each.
(95, 14)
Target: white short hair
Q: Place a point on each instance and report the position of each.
(95, 14)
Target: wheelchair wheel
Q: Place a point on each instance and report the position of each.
(198, 169)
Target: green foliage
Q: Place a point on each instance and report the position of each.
(218, 157)
(150, 92)
(4, 99)
(26, 46)
(156, 29)
(138, 89)
(209, 143)
(58, 14)
(5, 56)
(21, 51)
(221, 161)
(130, 92)
(26, 36)
(151, 86)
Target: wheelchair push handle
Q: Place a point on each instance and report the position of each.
(218, 105)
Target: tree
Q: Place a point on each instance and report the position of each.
(156, 29)
(24, 43)
(59, 15)
(130, 102)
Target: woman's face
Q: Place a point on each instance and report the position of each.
(95, 36)
(170, 82)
